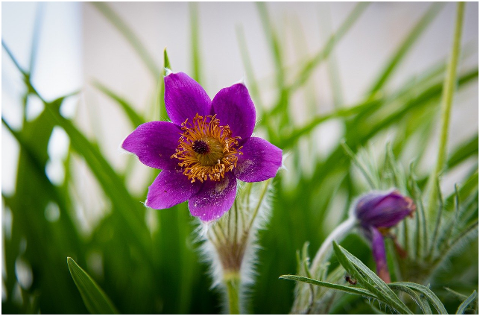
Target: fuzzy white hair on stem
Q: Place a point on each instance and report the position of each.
(230, 244)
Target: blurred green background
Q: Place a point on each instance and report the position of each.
(320, 74)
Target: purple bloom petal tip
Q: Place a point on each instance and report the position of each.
(214, 199)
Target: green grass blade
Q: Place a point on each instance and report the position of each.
(36, 35)
(459, 295)
(344, 112)
(372, 181)
(133, 116)
(93, 296)
(406, 45)
(469, 300)
(130, 36)
(109, 180)
(163, 116)
(463, 152)
(339, 287)
(15, 61)
(425, 291)
(166, 62)
(421, 302)
(195, 37)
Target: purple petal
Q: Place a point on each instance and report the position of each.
(154, 143)
(170, 188)
(235, 108)
(260, 160)
(214, 198)
(383, 209)
(184, 98)
(380, 255)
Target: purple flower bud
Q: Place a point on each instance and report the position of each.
(377, 212)
(386, 210)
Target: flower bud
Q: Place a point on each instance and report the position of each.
(383, 209)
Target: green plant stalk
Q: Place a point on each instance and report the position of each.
(195, 36)
(446, 107)
(232, 283)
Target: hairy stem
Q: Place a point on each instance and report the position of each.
(232, 283)
(337, 234)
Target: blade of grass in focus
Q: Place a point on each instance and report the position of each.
(469, 300)
(368, 279)
(348, 289)
(95, 299)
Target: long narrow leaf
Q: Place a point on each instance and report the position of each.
(425, 291)
(347, 289)
(469, 300)
(424, 306)
(195, 48)
(366, 277)
(96, 301)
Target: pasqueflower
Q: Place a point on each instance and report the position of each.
(377, 212)
(205, 148)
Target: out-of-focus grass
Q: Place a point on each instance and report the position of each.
(159, 271)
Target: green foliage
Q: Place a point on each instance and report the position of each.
(370, 286)
(469, 300)
(93, 296)
(157, 270)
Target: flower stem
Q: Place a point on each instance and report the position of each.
(337, 234)
(446, 106)
(232, 283)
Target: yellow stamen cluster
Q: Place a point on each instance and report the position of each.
(206, 150)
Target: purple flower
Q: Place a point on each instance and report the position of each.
(204, 150)
(377, 212)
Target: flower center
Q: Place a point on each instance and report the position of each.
(206, 150)
(200, 147)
